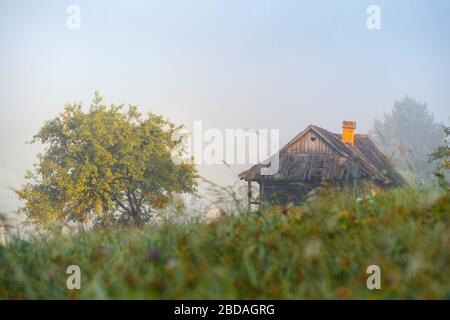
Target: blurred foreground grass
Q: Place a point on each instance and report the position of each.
(320, 250)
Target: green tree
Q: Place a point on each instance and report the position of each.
(408, 135)
(441, 157)
(106, 164)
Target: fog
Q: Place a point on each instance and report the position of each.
(230, 64)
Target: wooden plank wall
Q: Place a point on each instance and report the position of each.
(2, 234)
(284, 192)
(310, 143)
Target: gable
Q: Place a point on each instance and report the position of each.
(309, 142)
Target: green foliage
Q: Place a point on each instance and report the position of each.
(319, 250)
(441, 157)
(105, 164)
(408, 135)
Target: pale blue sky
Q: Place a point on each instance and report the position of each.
(233, 64)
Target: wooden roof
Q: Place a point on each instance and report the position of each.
(363, 160)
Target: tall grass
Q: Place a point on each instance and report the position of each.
(319, 250)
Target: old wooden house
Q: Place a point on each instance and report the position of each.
(317, 156)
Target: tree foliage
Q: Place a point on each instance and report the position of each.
(441, 157)
(408, 135)
(106, 163)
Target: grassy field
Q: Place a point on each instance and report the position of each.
(320, 250)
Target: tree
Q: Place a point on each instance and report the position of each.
(441, 157)
(408, 135)
(106, 163)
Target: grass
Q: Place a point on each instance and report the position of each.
(320, 250)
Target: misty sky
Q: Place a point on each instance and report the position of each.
(232, 64)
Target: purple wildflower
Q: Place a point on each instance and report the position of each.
(153, 255)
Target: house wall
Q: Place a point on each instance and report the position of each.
(285, 192)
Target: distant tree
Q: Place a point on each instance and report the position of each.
(408, 135)
(107, 164)
(441, 157)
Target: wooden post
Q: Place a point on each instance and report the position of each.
(2, 234)
(249, 195)
(261, 195)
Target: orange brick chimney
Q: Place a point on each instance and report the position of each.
(348, 132)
